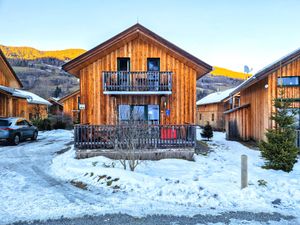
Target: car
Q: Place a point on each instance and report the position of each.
(15, 129)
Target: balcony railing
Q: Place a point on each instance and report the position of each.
(145, 136)
(147, 82)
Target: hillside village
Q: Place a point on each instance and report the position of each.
(139, 126)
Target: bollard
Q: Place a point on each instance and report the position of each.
(244, 171)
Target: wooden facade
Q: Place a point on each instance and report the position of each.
(15, 106)
(212, 114)
(70, 105)
(138, 44)
(251, 119)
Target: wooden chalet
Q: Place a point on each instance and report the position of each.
(137, 71)
(70, 105)
(251, 103)
(13, 100)
(210, 109)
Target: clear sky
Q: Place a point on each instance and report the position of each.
(227, 33)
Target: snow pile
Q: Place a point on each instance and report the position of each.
(211, 183)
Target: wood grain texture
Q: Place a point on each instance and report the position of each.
(103, 109)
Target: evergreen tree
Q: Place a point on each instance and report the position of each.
(57, 92)
(207, 132)
(280, 150)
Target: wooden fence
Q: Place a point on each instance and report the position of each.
(146, 136)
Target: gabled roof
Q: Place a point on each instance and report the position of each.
(215, 97)
(10, 69)
(29, 96)
(76, 64)
(77, 92)
(264, 72)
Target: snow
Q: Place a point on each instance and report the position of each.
(29, 96)
(36, 183)
(215, 97)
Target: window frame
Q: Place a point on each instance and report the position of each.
(288, 85)
(148, 60)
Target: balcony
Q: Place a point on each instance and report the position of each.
(137, 83)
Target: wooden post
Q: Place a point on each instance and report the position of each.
(244, 171)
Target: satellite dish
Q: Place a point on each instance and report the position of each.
(247, 69)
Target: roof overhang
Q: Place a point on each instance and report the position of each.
(9, 70)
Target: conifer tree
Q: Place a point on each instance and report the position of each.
(207, 132)
(280, 151)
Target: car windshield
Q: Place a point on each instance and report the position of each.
(4, 123)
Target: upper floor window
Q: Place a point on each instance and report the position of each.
(153, 64)
(288, 81)
(212, 117)
(124, 64)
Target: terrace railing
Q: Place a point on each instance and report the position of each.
(153, 136)
(118, 82)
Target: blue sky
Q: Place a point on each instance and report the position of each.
(228, 33)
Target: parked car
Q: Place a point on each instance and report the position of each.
(14, 130)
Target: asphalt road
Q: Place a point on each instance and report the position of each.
(224, 218)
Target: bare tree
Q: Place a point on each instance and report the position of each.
(130, 141)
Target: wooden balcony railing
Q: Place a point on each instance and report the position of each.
(149, 81)
(148, 136)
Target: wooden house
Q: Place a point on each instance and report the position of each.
(70, 105)
(13, 100)
(251, 103)
(210, 109)
(138, 71)
(56, 107)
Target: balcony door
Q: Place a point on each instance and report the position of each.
(148, 114)
(153, 68)
(123, 73)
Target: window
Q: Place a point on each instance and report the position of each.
(3, 123)
(153, 64)
(296, 118)
(148, 113)
(124, 64)
(200, 116)
(212, 117)
(21, 123)
(288, 81)
(153, 114)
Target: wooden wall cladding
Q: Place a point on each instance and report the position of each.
(102, 109)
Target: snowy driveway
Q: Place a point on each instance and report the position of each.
(35, 185)
(28, 191)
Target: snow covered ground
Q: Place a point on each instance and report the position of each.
(35, 183)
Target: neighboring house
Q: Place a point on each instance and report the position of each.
(16, 102)
(70, 105)
(251, 102)
(56, 107)
(210, 109)
(138, 71)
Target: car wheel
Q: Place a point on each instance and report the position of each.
(34, 136)
(16, 139)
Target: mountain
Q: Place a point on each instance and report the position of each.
(28, 53)
(41, 73)
(219, 71)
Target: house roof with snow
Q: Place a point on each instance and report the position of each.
(29, 96)
(215, 97)
(264, 72)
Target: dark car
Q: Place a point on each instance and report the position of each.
(14, 130)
